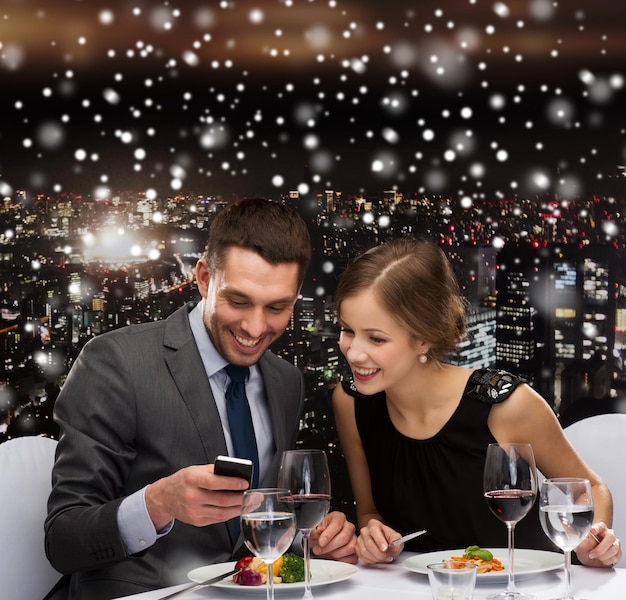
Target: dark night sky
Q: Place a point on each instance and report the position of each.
(237, 97)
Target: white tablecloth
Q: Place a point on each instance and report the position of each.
(395, 582)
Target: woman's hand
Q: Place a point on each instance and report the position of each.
(334, 538)
(600, 548)
(371, 545)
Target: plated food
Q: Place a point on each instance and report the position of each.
(288, 568)
(481, 557)
(528, 563)
(323, 572)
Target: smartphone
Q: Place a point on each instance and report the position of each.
(234, 467)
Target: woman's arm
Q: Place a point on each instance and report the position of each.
(526, 417)
(374, 535)
(358, 470)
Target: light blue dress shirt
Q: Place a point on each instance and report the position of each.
(136, 527)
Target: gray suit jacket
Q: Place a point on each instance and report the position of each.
(137, 406)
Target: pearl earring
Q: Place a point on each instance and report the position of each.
(423, 358)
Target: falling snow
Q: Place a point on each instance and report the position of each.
(463, 98)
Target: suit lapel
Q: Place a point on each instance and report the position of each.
(187, 370)
(275, 404)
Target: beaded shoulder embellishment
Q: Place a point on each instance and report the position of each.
(492, 386)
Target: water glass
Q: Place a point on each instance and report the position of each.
(268, 526)
(566, 515)
(452, 580)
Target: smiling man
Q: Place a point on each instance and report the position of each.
(247, 304)
(135, 503)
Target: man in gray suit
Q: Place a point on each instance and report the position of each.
(135, 503)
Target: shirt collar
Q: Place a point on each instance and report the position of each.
(212, 359)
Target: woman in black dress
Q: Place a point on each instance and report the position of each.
(414, 429)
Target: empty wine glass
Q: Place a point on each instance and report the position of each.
(305, 473)
(510, 488)
(566, 515)
(268, 526)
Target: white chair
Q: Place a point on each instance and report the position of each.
(25, 483)
(601, 442)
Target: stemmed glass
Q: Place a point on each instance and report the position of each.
(510, 488)
(566, 515)
(305, 473)
(268, 526)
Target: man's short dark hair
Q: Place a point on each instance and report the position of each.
(274, 231)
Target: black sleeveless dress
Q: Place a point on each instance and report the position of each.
(436, 483)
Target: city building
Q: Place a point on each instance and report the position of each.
(544, 283)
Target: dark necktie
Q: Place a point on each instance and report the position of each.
(240, 419)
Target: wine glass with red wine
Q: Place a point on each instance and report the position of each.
(510, 489)
(305, 473)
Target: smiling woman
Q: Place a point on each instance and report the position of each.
(401, 315)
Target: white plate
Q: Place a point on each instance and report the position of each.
(528, 563)
(323, 572)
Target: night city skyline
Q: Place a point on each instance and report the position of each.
(544, 279)
(130, 258)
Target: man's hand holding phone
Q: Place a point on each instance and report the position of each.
(198, 495)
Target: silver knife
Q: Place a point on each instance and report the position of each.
(405, 538)
(196, 586)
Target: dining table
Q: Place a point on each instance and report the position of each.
(396, 581)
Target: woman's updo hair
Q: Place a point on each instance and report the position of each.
(414, 281)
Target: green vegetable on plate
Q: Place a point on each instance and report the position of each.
(292, 570)
(477, 552)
